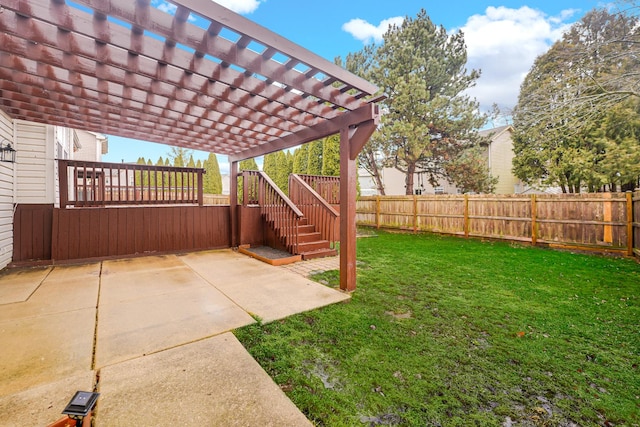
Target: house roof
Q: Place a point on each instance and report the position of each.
(494, 133)
(188, 73)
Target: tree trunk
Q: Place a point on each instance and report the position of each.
(372, 168)
(411, 170)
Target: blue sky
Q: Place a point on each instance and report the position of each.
(503, 39)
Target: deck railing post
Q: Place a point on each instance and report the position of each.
(63, 183)
(200, 187)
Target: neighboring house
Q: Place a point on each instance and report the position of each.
(31, 180)
(499, 154)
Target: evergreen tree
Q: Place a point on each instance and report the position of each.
(199, 164)
(331, 156)
(138, 177)
(149, 176)
(191, 163)
(314, 160)
(283, 169)
(469, 171)
(269, 165)
(568, 100)
(430, 120)
(300, 159)
(212, 177)
(246, 165)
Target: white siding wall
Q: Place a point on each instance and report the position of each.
(6, 195)
(90, 147)
(35, 165)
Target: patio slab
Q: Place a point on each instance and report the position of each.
(44, 349)
(158, 305)
(268, 292)
(210, 382)
(18, 285)
(162, 335)
(48, 337)
(39, 406)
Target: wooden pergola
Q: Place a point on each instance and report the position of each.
(187, 73)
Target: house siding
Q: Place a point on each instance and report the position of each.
(500, 163)
(35, 165)
(6, 195)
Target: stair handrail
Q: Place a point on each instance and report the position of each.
(279, 211)
(315, 208)
(328, 187)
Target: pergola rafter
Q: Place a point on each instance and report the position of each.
(106, 62)
(188, 73)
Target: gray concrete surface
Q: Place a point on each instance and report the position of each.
(213, 382)
(154, 331)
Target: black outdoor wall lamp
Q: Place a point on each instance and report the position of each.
(81, 405)
(7, 152)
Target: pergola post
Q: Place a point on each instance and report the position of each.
(233, 201)
(352, 140)
(347, 213)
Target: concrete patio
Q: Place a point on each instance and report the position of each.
(152, 335)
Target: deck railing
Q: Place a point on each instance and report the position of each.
(328, 187)
(276, 208)
(315, 208)
(85, 184)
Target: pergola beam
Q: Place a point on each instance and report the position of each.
(365, 114)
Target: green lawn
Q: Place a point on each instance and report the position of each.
(444, 331)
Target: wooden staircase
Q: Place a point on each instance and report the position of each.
(305, 224)
(310, 242)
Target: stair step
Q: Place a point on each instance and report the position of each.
(312, 246)
(319, 253)
(304, 229)
(309, 237)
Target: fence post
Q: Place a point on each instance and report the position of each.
(607, 217)
(629, 223)
(377, 211)
(415, 213)
(466, 215)
(534, 218)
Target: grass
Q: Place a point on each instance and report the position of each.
(444, 331)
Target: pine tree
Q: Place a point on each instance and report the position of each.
(331, 156)
(149, 176)
(138, 177)
(246, 165)
(429, 118)
(300, 159)
(212, 177)
(314, 162)
(269, 165)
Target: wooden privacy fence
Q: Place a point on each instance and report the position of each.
(595, 221)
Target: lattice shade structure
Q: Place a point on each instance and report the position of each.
(188, 73)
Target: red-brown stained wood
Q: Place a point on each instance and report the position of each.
(66, 66)
(138, 230)
(32, 229)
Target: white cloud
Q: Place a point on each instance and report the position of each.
(366, 32)
(240, 6)
(504, 43)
